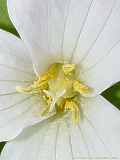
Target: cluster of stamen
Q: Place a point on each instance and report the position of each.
(60, 90)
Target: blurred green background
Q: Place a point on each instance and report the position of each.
(112, 94)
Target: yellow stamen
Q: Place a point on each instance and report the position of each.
(48, 99)
(68, 68)
(81, 88)
(23, 90)
(53, 71)
(74, 108)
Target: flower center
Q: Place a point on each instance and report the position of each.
(60, 90)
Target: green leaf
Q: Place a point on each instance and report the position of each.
(113, 95)
(1, 146)
(5, 22)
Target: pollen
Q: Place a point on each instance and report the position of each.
(60, 90)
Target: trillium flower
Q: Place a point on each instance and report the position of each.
(51, 80)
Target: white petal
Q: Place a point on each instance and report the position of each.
(16, 110)
(77, 13)
(85, 22)
(39, 142)
(104, 73)
(97, 50)
(18, 116)
(41, 25)
(99, 129)
(27, 146)
(63, 148)
(15, 68)
(13, 52)
(100, 31)
(15, 64)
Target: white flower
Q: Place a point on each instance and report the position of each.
(74, 48)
